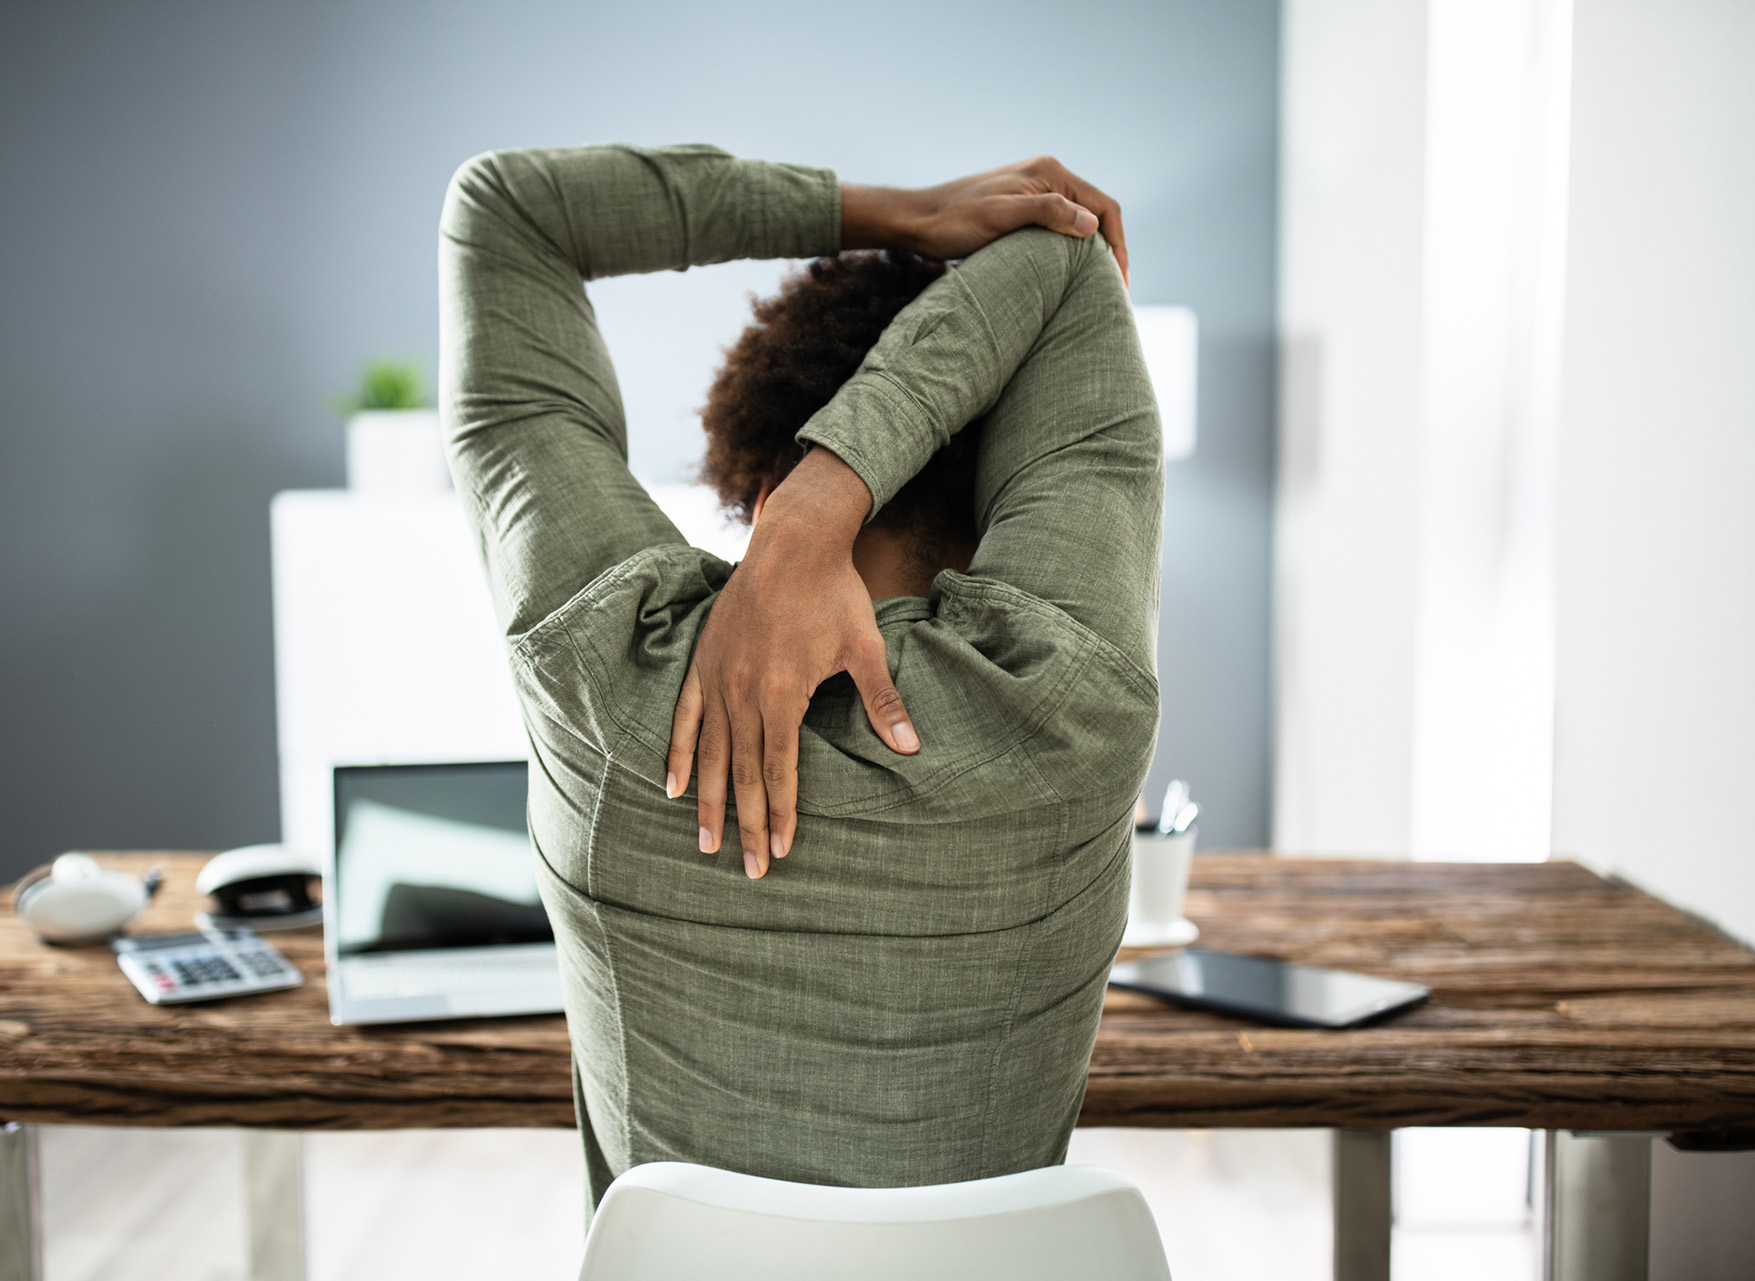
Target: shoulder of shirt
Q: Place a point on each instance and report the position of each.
(604, 666)
(668, 573)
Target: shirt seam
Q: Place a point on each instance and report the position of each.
(998, 588)
(1026, 954)
(904, 792)
(595, 665)
(615, 995)
(558, 619)
(878, 802)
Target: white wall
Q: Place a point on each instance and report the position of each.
(1487, 354)
(1423, 188)
(1352, 139)
(171, 354)
(1655, 718)
(1497, 93)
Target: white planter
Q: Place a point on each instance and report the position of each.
(396, 450)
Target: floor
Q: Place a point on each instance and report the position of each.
(143, 1205)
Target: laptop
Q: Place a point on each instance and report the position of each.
(430, 907)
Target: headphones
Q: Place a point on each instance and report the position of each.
(73, 900)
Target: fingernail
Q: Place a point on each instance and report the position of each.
(749, 867)
(1084, 222)
(903, 733)
(776, 846)
(706, 841)
(670, 787)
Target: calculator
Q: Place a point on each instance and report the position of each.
(203, 965)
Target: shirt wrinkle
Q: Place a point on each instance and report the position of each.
(964, 903)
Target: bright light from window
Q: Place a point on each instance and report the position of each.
(1167, 336)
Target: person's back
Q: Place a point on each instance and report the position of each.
(911, 995)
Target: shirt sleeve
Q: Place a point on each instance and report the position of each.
(1034, 335)
(528, 397)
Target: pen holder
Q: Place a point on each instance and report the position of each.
(1160, 883)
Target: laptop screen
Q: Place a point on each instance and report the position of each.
(433, 856)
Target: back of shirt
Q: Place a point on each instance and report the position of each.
(911, 996)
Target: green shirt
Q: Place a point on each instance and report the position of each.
(912, 995)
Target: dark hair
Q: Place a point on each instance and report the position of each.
(805, 342)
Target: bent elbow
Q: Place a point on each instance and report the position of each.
(477, 188)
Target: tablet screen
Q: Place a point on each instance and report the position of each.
(1274, 991)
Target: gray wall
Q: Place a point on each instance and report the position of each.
(214, 213)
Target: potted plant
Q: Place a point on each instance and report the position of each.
(393, 439)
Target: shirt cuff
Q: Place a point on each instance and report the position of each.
(877, 429)
(800, 228)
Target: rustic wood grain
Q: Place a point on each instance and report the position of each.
(79, 1045)
(1561, 1000)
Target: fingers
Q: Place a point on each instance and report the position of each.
(1108, 214)
(870, 671)
(1075, 189)
(751, 791)
(762, 772)
(685, 728)
(780, 776)
(1055, 212)
(713, 754)
(1110, 223)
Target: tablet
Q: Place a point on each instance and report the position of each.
(1272, 991)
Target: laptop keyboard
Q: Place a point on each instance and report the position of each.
(441, 976)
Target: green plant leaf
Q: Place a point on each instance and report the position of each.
(386, 384)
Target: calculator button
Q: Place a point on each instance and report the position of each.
(205, 969)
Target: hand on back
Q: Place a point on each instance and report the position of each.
(796, 612)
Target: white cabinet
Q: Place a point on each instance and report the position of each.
(385, 646)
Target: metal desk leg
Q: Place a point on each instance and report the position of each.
(274, 1191)
(21, 1219)
(1363, 1210)
(1597, 1206)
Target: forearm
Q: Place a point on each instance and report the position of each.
(531, 408)
(614, 210)
(884, 218)
(946, 358)
(1034, 335)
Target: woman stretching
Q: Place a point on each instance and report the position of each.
(927, 696)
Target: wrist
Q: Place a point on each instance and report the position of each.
(878, 217)
(822, 499)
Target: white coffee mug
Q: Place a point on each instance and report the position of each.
(1160, 884)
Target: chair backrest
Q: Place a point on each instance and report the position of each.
(670, 1220)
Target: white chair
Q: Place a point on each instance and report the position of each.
(670, 1221)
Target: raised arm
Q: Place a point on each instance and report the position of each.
(532, 413)
(1081, 429)
(1034, 334)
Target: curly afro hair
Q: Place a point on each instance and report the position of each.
(805, 342)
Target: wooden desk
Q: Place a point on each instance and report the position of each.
(1561, 1001)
